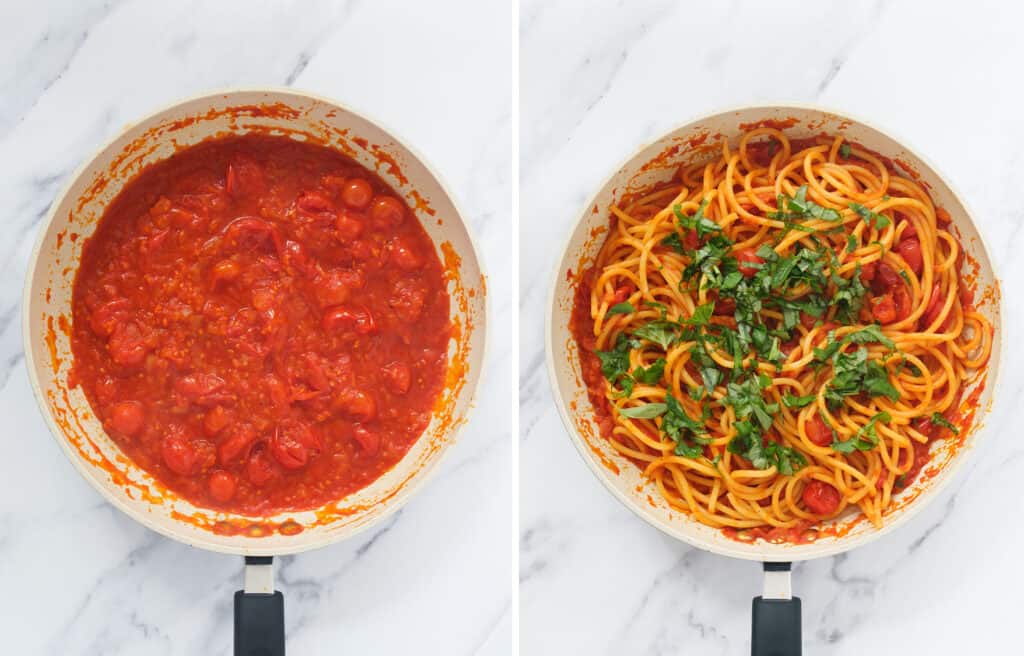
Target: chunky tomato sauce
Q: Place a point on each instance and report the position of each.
(260, 324)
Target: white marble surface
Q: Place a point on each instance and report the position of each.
(597, 82)
(79, 577)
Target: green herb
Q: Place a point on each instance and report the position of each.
(663, 333)
(762, 454)
(674, 242)
(851, 244)
(746, 400)
(865, 439)
(879, 220)
(701, 315)
(621, 308)
(940, 420)
(686, 431)
(791, 401)
(661, 307)
(698, 222)
(651, 374)
(801, 206)
(648, 411)
(853, 374)
(845, 151)
(849, 295)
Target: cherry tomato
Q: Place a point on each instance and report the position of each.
(237, 443)
(127, 345)
(222, 485)
(128, 417)
(178, 453)
(885, 278)
(294, 443)
(883, 308)
(106, 317)
(818, 432)
(808, 320)
(909, 232)
(691, 240)
(334, 287)
(348, 225)
(260, 468)
(910, 251)
(749, 262)
(357, 193)
(398, 376)
(357, 404)
(868, 271)
(725, 306)
(358, 319)
(386, 212)
(369, 441)
(408, 300)
(199, 387)
(216, 420)
(904, 304)
(312, 202)
(820, 498)
(297, 258)
(403, 256)
(250, 233)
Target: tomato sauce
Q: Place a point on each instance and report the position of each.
(260, 324)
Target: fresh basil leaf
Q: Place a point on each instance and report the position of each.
(939, 420)
(621, 308)
(662, 333)
(845, 151)
(651, 374)
(791, 401)
(648, 411)
(870, 217)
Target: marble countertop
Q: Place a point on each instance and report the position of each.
(595, 579)
(80, 577)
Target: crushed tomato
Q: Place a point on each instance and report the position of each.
(261, 324)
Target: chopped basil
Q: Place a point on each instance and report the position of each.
(940, 420)
(651, 374)
(621, 308)
(791, 401)
(648, 411)
(879, 220)
(845, 151)
(698, 222)
(661, 332)
(764, 454)
(865, 439)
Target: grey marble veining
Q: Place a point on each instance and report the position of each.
(601, 78)
(81, 578)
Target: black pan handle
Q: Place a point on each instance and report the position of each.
(259, 611)
(776, 628)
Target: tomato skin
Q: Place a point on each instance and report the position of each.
(357, 193)
(357, 404)
(868, 272)
(369, 441)
(358, 319)
(910, 251)
(387, 212)
(178, 453)
(251, 233)
(237, 443)
(127, 345)
(904, 304)
(749, 262)
(807, 320)
(724, 307)
(294, 443)
(885, 278)
(398, 376)
(883, 308)
(244, 178)
(820, 498)
(909, 231)
(818, 432)
(106, 317)
(314, 203)
(128, 417)
(260, 468)
(222, 485)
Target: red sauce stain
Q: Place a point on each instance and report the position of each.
(777, 124)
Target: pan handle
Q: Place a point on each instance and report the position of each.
(259, 611)
(776, 628)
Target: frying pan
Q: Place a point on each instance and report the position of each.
(259, 614)
(776, 614)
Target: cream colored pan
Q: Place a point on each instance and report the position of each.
(47, 312)
(657, 162)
